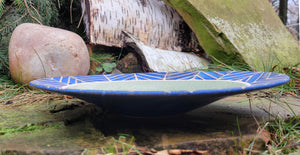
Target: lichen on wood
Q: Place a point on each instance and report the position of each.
(240, 31)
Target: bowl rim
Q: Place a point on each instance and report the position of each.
(255, 81)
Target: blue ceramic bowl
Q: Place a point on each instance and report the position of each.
(161, 93)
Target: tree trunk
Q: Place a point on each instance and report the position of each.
(283, 7)
(297, 29)
(152, 21)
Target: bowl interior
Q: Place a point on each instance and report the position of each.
(152, 85)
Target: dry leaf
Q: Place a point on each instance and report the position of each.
(164, 152)
(2, 92)
(146, 151)
(191, 152)
(68, 97)
(265, 136)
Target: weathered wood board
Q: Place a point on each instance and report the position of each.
(152, 21)
(240, 31)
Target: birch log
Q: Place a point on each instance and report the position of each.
(157, 60)
(152, 21)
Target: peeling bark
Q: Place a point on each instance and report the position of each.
(152, 21)
(157, 60)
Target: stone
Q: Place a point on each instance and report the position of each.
(37, 51)
(72, 126)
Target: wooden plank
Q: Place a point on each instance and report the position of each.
(240, 31)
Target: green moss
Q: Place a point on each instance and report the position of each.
(56, 137)
(28, 128)
(213, 41)
(23, 114)
(19, 118)
(240, 31)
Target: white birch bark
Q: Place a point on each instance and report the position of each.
(157, 60)
(152, 21)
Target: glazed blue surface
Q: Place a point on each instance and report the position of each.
(157, 103)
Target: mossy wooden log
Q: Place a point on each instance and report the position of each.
(240, 31)
(152, 21)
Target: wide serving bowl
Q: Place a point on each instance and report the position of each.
(160, 93)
